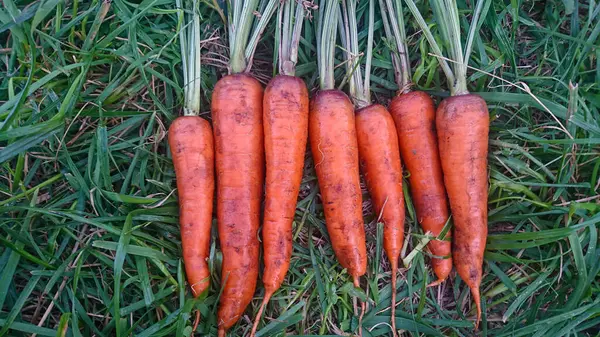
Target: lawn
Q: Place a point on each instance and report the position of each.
(89, 236)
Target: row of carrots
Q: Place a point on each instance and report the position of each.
(258, 141)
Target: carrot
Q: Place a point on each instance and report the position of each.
(334, 147)
(285, 118)
(380, 162)
(191, 143)
(286, 132)
(377, 144)
(462, 122)
(239, 167)
(332, 136)
(463, 127)
(238, 132)
(414, 114)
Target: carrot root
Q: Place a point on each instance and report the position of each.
(393, 306)
(477, 300)
(268, 294)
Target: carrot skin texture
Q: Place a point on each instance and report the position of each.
(414, 115)
(463, 129)
(285, 118)
(237, 120)
(380, 162)
(332, 136)
(191, 144)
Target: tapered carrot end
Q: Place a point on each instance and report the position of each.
(221, 332)
(393, 306)
(356, 281)
(196, 321)
(435, 283)
(477, 299)
(266, 299)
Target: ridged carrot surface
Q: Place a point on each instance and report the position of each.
(238, 129)
(332, 135)
(463, 128)
(414, 114)
(191, 144)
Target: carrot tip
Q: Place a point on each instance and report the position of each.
(221, 332)
(196, 321)
(356, 281)
(393, 305)
(266, 299)
(436, 283)
(477, 299)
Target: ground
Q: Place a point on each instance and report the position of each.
(89, 237)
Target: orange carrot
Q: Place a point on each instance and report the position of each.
(237, 119)
(380, 163)
(238, 131)
(285, 118)
(191, 143)
(332, 135)
(463, 127)
(414, 114)
(192, 148)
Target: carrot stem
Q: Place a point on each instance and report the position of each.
(326, 37)
(241, 15)
(393, 24)
(189, 40)
(290, 23)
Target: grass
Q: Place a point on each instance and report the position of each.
(89, 240)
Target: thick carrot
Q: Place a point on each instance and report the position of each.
(380, 162)
(237, 119)
(332, 135)
(285, 118)
(463, 127)
(191, 143)
(414, 114)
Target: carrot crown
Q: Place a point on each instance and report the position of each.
(189, 40)
(447, 19)
(326, 37)
(393, 25)
(240, 17)
(360, 88)
(290, 21)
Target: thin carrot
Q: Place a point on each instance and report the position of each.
(238, 132)
(332, 136)
(191, 144)
(463, 127)
(334, 147)
(380, 163)
(377, 144)
(462, 122)
(285, 118)
(414, 115)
